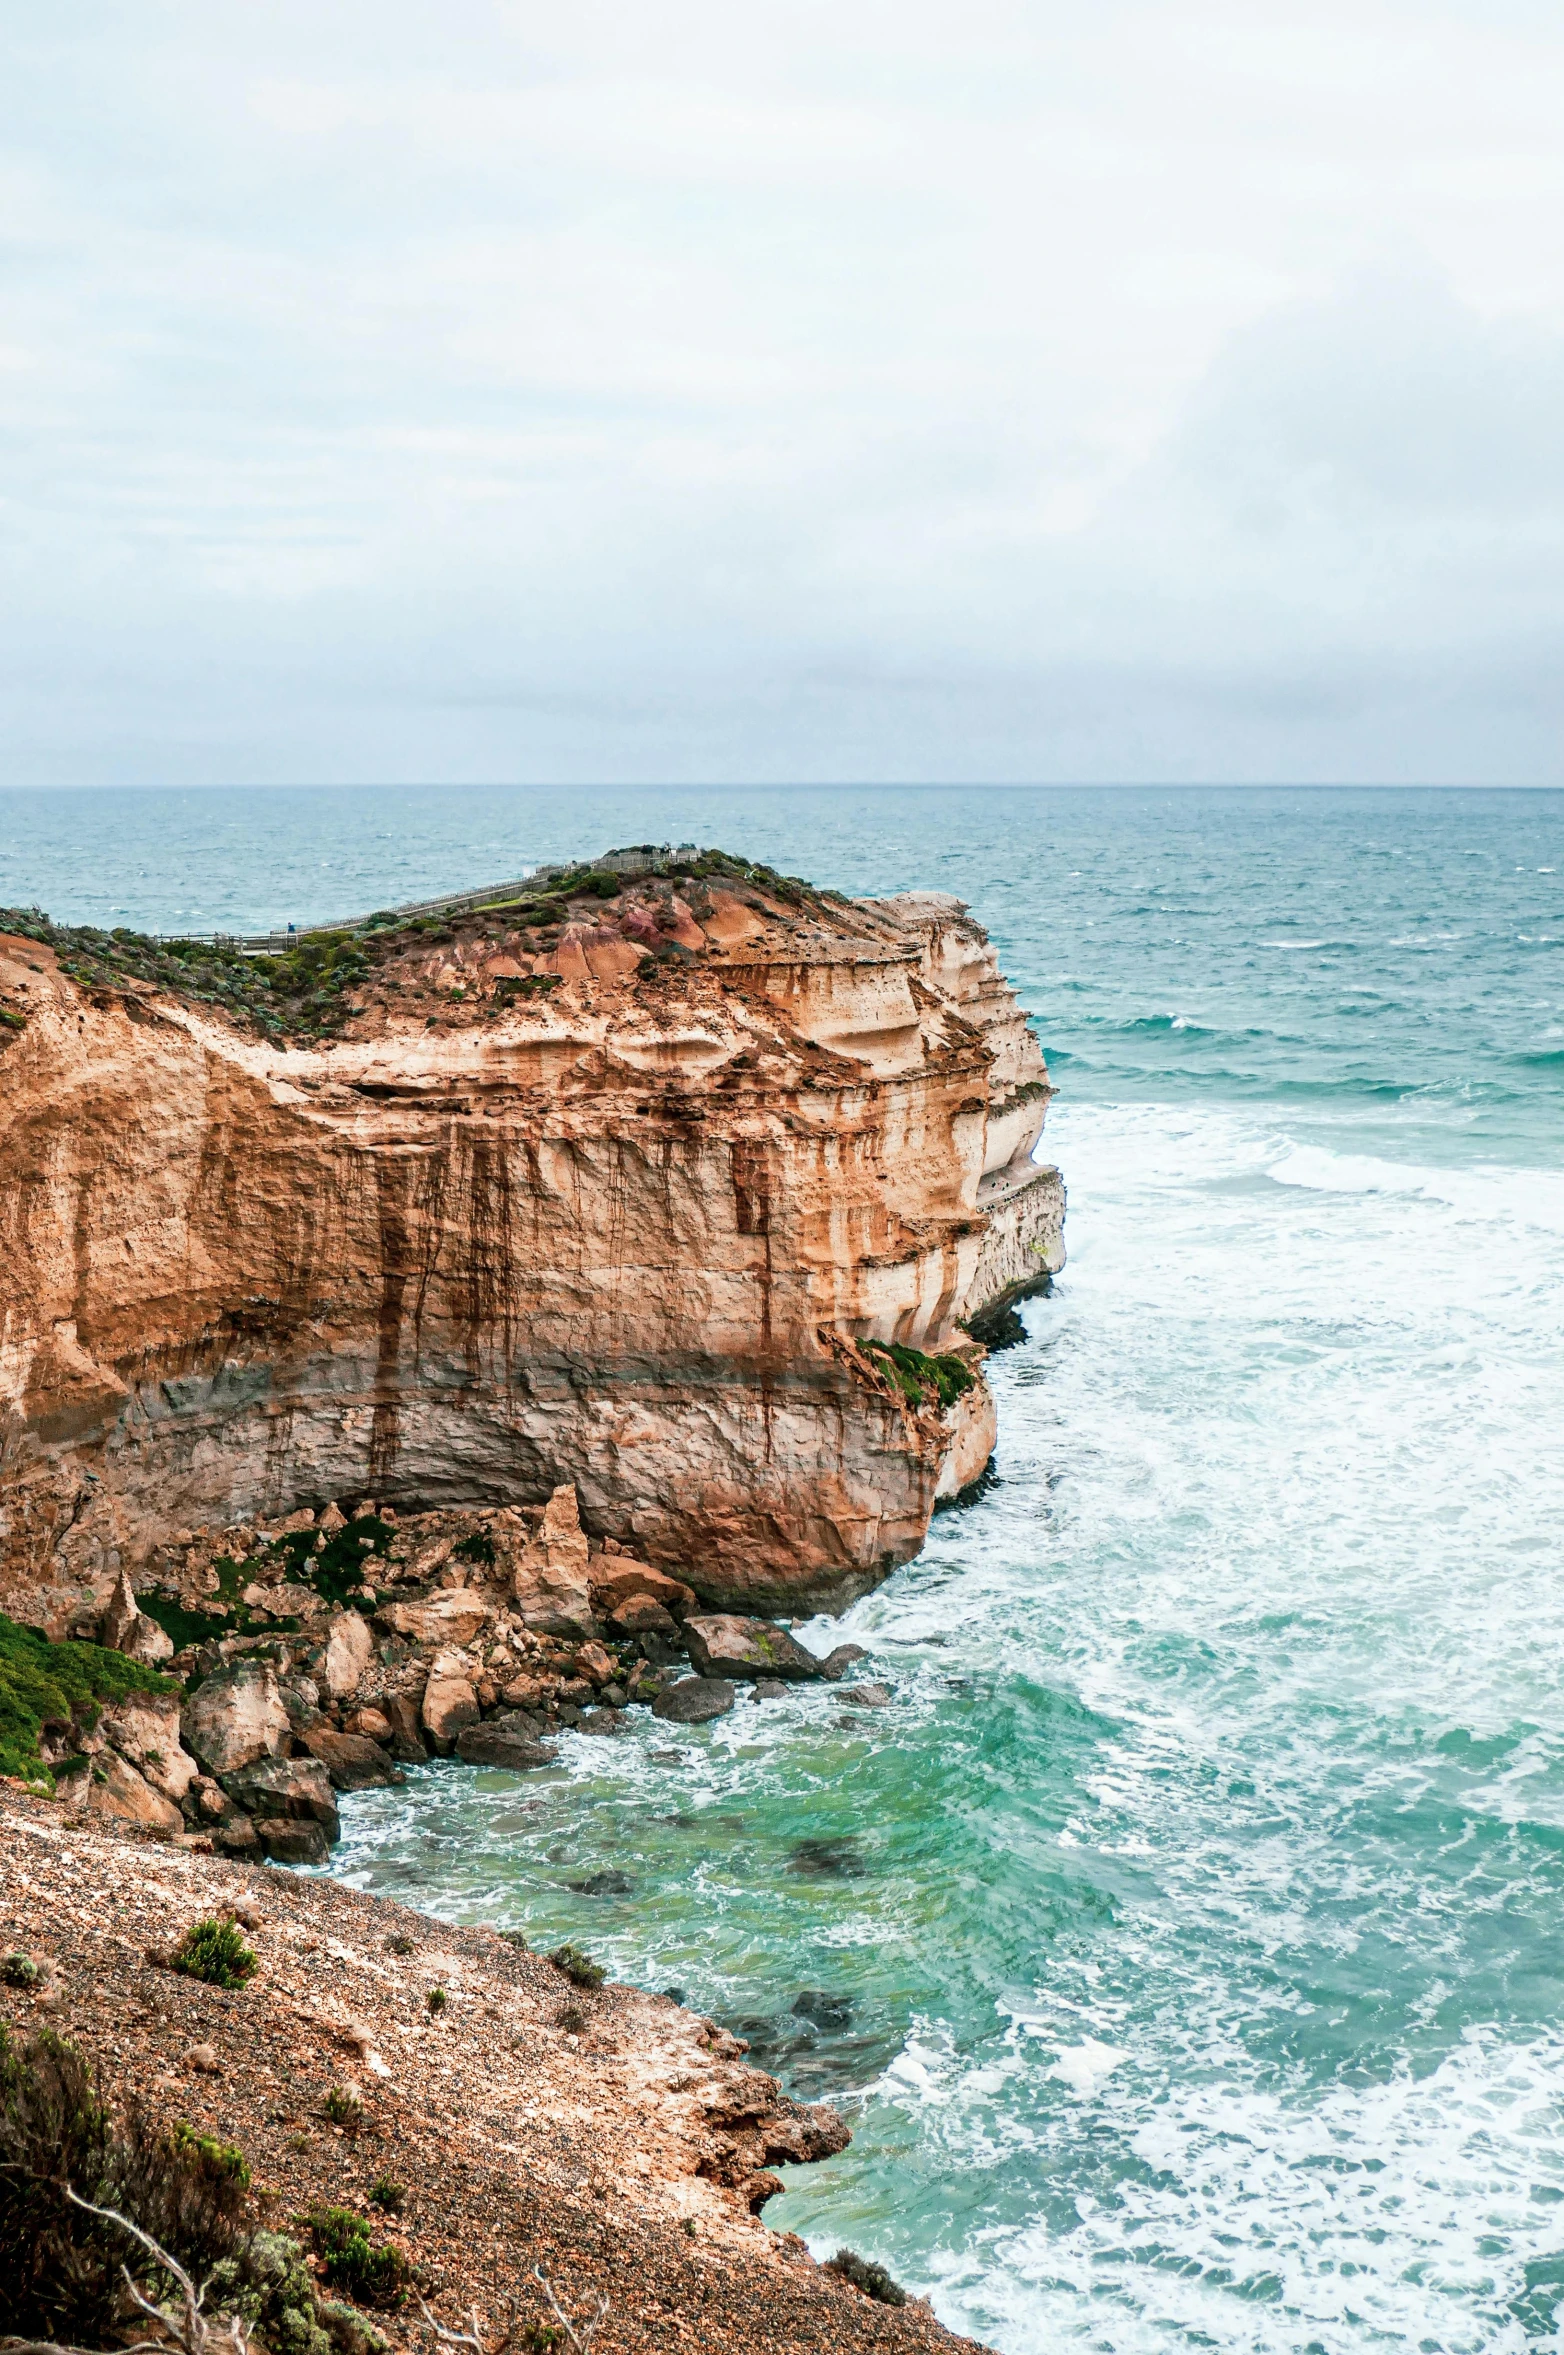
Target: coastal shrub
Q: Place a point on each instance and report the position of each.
(214, 1950)
(267, 2284)
(60, 2269)
(438, 1999)
(476, 1546)
(19, 1970)
(388, 2195)
(41, 1680)
(344, 2108)
(375, 2273)
(918, 1376)
(865, 2275)
(578, 1967)
(401, 1944)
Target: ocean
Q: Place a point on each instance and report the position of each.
(1186, 1941)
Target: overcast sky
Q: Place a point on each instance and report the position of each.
(927, 389)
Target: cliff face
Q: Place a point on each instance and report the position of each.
(602, 1190)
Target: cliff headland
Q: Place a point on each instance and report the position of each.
(670, 1178)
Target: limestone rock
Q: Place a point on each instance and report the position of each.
(449, 1704)
(836, 1664)
(350, 1647)
(499, 1745)
(353, 1762)
(293, 1840)
(639, 1615)
(837, 1102)
(112, 1788)
(592, 1661)
(273, 1787)
(528, 1692)
(695, 1700)
(125, 1627)
(616, 1580)
(407, 1742)
(144, 1729)
(723, 1645)
(454, 1616)
(550, 1581)
(373, 1723)
(235, 1716)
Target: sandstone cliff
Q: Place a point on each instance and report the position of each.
(605, 1186)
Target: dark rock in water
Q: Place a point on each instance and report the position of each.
(353, 1761)
(613, 1696)
(668, 1758)
(726, 1645)
(673, 1995)
(836, 1664)
(840, 1859)
(610, 1883)
(527, 1722)
(866, 1696)
(407, 1740)
(497, 1745)
(660, 1651)
(769, 1688)
(828, 2011)
(603, 1721)
(289, 1840)
(695, 1700)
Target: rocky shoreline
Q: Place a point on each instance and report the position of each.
(330, 1652)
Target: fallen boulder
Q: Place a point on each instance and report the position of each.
(144, 1729)
(639, 1614)
(298, 1788)
(501, 1745)
(836, 1664)
(694, 1700)
(109, 1786)
(124, 1627)
(724, 1645)
(292, 1840)
(616, 1578)
(350, 1647)
(453, 1616)
(449, 1704)
(235, 1716)
(353, 1761)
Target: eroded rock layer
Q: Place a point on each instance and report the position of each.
(605, 1187)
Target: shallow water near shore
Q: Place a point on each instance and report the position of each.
(1184, 1940)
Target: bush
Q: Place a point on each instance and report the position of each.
(916, 1374)
(214, 1950)
(344, 2108)
(578, 1968)
(268, 2285)
(865, 2275)
(389, 2196)
(375, 2274)
(60, 2270)
(438, 1999)
(40, 1680)
(19, 1970)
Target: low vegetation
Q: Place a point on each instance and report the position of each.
(865, 2275)
(921, 1379)
(374, 2272)
(578, 1967)
(60, 1685)
(214, 1950)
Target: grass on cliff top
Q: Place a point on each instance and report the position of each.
(307, 991)
(70, 1682)
(921, 1379)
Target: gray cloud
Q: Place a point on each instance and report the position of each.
(1011, 392)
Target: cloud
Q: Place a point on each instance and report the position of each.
(1014, 392)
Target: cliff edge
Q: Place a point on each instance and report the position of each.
(681, 1186)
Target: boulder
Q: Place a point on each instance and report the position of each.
(453, 1616)
(603, 1721)
(724, 1645)
(639, 1615)
(868, 1696)
(836, 1664)
(407, 1742)
(333, 1519)
(114, 1790)
(501, 1745)
(292, 1840)
(372, 1722)
(449, 1704)
(353, 1762)
(235, 1716)
(144, 1729)
(550, 1583)
(294, 1787)
(236, 1837)
(124, 1627)
(615, 1578)
(694, 1700)
(592, 1661)
(350, 1647)
(529, 1692)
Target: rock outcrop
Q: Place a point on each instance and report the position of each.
(606, 1191)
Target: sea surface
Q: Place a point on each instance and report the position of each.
(1186, 1940)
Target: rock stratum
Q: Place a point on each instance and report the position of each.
(688, 1189)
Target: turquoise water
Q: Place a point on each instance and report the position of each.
(1190, 1928)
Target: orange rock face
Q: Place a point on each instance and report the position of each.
(622, 1231)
